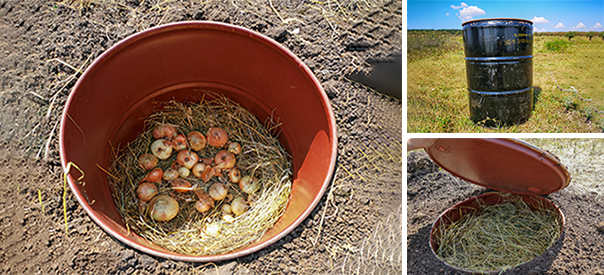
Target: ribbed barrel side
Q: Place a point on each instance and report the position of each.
(499, 69)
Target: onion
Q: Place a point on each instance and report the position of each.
(234, 175)
(226, 208)
(207, 174)
(163, 208)
(224, 160)
(147, 161)
(142, 207)
(217, 137)
(198, 169)
(234, 148)
(204, 203)
(161, 148)
(196, 140)
(212, 229)
(179, 142)
(170, 174)
(183, 172)
(218, 191)
(146, 191)
(187, 158)
(202, 195)
(164, 130)
(218, 172)
(181, 185)
(207, 161)
(248, 185)
(154, 176)
(239, 206)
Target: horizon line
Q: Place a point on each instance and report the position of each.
(432, 29)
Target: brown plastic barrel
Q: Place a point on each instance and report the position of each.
(182, 61)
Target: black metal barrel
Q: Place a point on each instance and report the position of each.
(499, 67)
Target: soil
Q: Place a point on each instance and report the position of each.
(44, 47)
(431, 190)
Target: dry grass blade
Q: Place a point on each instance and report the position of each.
(79, 179)
(498, 237)
(262, 156)
(40, 201)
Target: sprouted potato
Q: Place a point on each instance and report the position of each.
(498, 237)
(186, 213)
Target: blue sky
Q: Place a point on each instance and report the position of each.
(548, 15)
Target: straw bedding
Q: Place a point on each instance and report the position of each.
(498, 237)
(191, 232)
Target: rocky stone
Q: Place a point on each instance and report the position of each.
(600, 227)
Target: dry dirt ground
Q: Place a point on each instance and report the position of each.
(431, 190)
(44, 47)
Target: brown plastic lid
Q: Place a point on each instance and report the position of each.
(505, 165)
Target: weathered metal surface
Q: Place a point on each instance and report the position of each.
(499, 67)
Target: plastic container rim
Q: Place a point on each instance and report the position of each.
(133, 38)
(562, 227)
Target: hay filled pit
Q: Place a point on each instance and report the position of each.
(498, 237)
(209, 221)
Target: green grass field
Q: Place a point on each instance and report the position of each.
(569, 74)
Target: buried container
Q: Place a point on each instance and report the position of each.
(183, 62)
(499, 68)
(520, 171)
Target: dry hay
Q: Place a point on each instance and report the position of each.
(498, 237)
(262, 157)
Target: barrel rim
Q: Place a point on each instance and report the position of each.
(489, 19)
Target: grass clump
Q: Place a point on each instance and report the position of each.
(557, 45)
(191, 232)
(431, 43)
(498, 237)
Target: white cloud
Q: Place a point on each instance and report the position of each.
(463, 5)
(466, 12)
(539, 20)
(580, 25)
(597, 25)
(559, 25)
(469, 12)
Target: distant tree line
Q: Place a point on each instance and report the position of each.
(449, 31)
(570, 35)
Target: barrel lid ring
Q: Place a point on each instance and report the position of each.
(497, 19)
